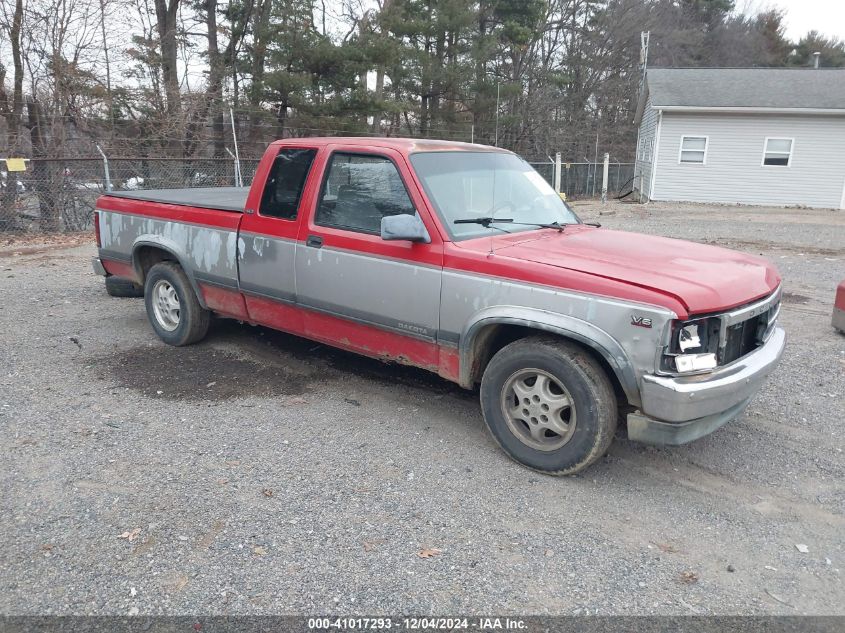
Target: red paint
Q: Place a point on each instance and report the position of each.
(355, 337)
(277, 315)
(173, 212)
(97, 229)
(684, 277)
(118, 269)
(450, 363)
(839, 303)
(224, 301)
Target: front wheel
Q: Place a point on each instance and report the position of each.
(172, 306)
(549, 405)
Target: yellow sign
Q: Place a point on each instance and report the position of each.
(15, 164)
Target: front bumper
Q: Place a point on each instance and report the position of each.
(98, 267)
(676, 409)
(838, 320)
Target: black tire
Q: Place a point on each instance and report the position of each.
(122, 287)
(581, 380)
(191, 320)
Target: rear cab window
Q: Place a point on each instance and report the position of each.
(283, 190)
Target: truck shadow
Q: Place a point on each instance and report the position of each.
(239, 361)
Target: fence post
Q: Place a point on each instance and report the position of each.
(604, 178)
(557, 172)
(105, 168)
(236, 166)
(239, 181)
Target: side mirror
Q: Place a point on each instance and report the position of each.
(404, 227)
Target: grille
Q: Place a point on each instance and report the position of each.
(744, 337)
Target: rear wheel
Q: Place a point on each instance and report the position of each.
(121, 287)
(549, 405)
(172, 306)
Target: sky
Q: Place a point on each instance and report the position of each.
(825, 16)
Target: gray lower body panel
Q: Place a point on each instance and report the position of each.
(838, 320)
(642, 428)
(97, 265)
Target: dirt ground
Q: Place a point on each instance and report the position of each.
(260, 473)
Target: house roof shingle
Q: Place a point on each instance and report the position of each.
(781, 88)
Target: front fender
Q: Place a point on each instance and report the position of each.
(560, 324)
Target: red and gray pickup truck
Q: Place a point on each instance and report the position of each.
(462, 260)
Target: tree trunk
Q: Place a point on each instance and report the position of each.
(42, 175)
(166, 24)
(214, 93)
(259, 60)
(12, 109)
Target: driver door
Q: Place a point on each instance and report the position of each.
(378, 297)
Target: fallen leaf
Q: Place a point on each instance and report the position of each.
(267, 492)
(689, 577)
(429, 552)
(296, 400)
(258, 550)
(369, 546)
(666, 548)
(47, 547)
(130, 536)
(222, 482)
(175, 581)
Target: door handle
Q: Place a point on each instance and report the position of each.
(314, 241)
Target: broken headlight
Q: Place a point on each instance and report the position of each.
(693, 346)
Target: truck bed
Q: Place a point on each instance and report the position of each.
(218, 198)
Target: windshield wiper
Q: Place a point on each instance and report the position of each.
(486, 222)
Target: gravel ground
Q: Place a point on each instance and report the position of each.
(257, 473)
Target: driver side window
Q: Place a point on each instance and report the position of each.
(358, 191)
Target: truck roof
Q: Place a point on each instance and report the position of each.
(405, 145)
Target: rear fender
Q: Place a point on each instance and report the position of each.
(170, 247)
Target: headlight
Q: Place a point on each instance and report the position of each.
(693, 346)
(685, 363)
(689, 337)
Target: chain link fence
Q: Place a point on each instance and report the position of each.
(59, 194)
(584, 180)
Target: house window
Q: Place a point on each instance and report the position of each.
(777, 151)
(693, 149)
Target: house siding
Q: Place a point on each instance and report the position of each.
(643, 166)
(734, 173)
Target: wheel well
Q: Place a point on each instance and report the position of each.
(494, 337)
(148, 256)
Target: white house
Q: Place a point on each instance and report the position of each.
(767, 136)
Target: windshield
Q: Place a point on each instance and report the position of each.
(468, 185)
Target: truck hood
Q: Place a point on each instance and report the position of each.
(703, 278)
